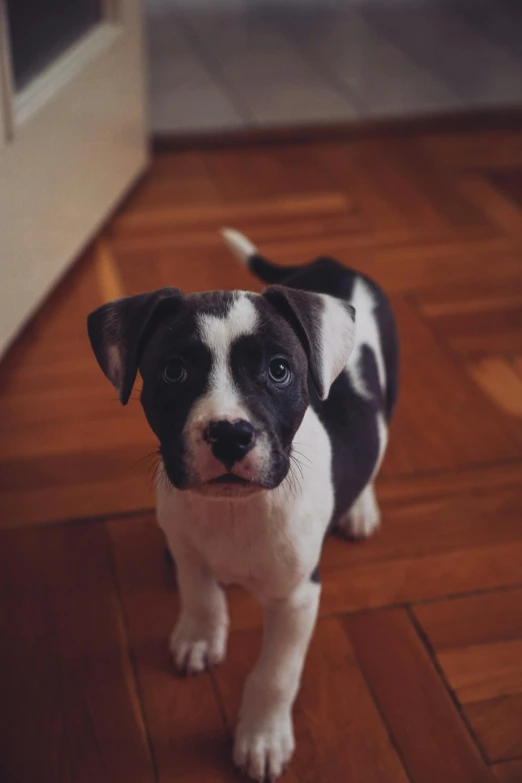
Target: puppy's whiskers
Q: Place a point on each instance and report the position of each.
(155, 471)
(298, 465)
(303, 456)
(292, 480)
(152, 455)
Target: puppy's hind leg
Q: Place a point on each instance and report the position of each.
(363, 518)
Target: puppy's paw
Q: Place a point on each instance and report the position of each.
(264, 745)
(363, 518)
(197, 646)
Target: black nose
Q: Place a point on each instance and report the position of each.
(230, 440)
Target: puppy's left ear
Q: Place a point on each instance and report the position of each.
(119, 330)
(325, 326)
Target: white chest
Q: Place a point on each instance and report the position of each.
(270, 542)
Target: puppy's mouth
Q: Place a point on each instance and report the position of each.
(228, 485)
(231, 479)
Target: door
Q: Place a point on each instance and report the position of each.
(72, 136)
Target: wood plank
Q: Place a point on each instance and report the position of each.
(349, 226)
(215, 268)
(174, 178)
(475, 296)
(436, 184)
(189, 738)
(430, 380)
(69, 697)
(516, 363)
(114, 494)
(345, 164)
(127, 427)
(58, 327)
(342, 719)
(29, 377)
(484, 671)
(34, 474)
(339, 733)
(477, 149)
(500, 208)
(475, 334)
(381, 164)
(218, 215)
(88, 402)
(267, 172)
(417, 528)
(432, 739)
(499, 380)
(466, 482)
(509, 771)
(107, 273)
(472, 620)
(497, 724)
(420, 578)
(509, 182)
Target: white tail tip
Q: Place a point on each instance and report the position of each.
(238, 244)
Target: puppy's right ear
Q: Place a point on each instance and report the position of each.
(119, 330)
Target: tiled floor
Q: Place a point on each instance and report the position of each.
(229, 64)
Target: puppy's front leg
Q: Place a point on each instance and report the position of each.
(264, 737)
(199, 638)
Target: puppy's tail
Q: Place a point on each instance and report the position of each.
(246, 252)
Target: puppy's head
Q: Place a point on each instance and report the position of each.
(225, 376)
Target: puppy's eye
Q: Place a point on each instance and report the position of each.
(279, 372)
(174, 372)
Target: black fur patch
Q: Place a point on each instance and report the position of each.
(349, 419)
(124, 327)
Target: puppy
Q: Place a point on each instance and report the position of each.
(272, 415)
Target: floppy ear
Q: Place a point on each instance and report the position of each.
(119, 330)
(324, 324)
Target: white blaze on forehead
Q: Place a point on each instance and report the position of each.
(218, 334)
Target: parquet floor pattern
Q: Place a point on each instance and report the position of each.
(415, 670)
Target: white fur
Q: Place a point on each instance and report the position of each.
(337, 340)
(200, 636)
(238, 244)
(382, 429)
(222, 399)
(367, 333)
(363, 518)
(264, 737)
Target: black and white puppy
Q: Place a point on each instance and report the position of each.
(272, 415)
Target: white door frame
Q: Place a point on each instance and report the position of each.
(71, 143)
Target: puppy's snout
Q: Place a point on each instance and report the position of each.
(230, 441)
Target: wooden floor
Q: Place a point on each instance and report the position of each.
(415, 670)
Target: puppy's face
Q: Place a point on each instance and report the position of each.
(225, 390)
(225, 376)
